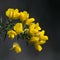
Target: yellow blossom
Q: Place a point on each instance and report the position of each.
(42, 42)
(37, 26)
(16, 14)
(12, 13)
(11, 34)
(29, 21)
(34, 28)
(34, 39)
(38, 47)
(42, 36)
(24, 15)
(31, 29)
(18, 28)
(16, 47)
(9, 13)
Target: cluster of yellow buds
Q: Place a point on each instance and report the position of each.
(27, 28)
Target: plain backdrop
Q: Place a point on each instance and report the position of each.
(47, 13)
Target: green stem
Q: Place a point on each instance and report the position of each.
(5, 35)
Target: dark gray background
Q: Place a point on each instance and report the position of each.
(47, 13)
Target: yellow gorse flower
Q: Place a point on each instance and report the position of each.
(16, 47)
(18, 28)
(29, 21)
(38, 47)
(42, 42)
(32, 31)
(16, 14)
(38, 39)
(37, 26)
(12, 13)
(9, 13)
(24, 15)
(25, 27)
(34, 39)
(34, 28)
(11, 34)
(42, 36)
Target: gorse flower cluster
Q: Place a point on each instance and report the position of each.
(21, 25)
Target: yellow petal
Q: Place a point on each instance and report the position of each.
(29, 21)
(38, 48)
(37, 26)
(11, 34)
(16, 14)
(18, 28)
(16, 47)
(42, 42)
(9, 12)
(34, 39)
(24, 15)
